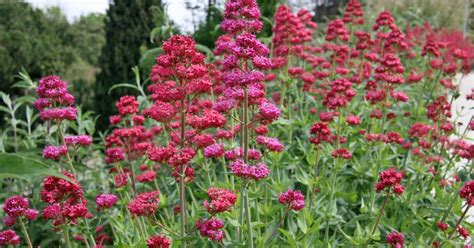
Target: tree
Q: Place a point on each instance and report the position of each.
(127, 31)
(44, 42)
(208, 30)
(31, 38)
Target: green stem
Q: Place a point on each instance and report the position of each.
(331, 202)
(25, 232)
(274, 232)
(182, 191)
(89, 233)
(459, 222)
(249, 222)
(379, 217)
(246, 148)
(241, 214)
(66, 237)
(206, 168)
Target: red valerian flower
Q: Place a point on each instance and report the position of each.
(58, 114)
(106, 200)
(144, 204)
(339, 95)
(31, 214)
(337, 30)
(158, 241)
(9, 237)
(147, 176)
(214, 151)
(467, 193)
(321, 132)
(292, 199)
(341, 153)
(269, 111)
(15, 206)
(54, 152)
(272, 144)
(221, 200)
(463, 232)
(353, 120)
(396, 240)
(52, 211)
(389, 179)
(442, 226)
(255, 172)
(211, 228)
(127, 105)
(113, 155)
(77, 140)
(121, 180)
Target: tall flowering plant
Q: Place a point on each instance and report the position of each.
(65, 198)
(244, 58)
(180, 77)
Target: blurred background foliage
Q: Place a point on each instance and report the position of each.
(43, 42)
(440, 13)
(97, 51)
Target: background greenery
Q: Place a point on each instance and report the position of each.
(98, 51)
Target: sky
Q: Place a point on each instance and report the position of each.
(73, 9)
(177, 11)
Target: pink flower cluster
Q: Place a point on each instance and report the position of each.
(127, 105)
(389, 179)
(214, 151)
(463, 232)
(221, 200)
(269, 111)
(52, 92)
(353, 13)
(341, 153)
(65, 198)
(18, 207)
(9, 237)
(340, 94)
(292, 199)
(146, 176)
(158, 241)
(272, 144)
(78, 140)
(54, 152)
(237, 153)
(396, 240)
(467, 193)
(211, 228)
(241, 16)
(247, 171)
(144, 204)
(105, 201)
(321, 133)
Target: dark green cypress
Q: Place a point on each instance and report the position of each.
(127, 30)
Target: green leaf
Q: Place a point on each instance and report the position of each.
(154, 32)
(302, 224)
(122, 86)
(22, 167)
(289, 237)
(204, 49)
(4, 109)
(345, 235)
(267, 20)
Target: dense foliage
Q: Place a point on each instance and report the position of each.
(342, 139)
(127, 27)
(44, 42)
